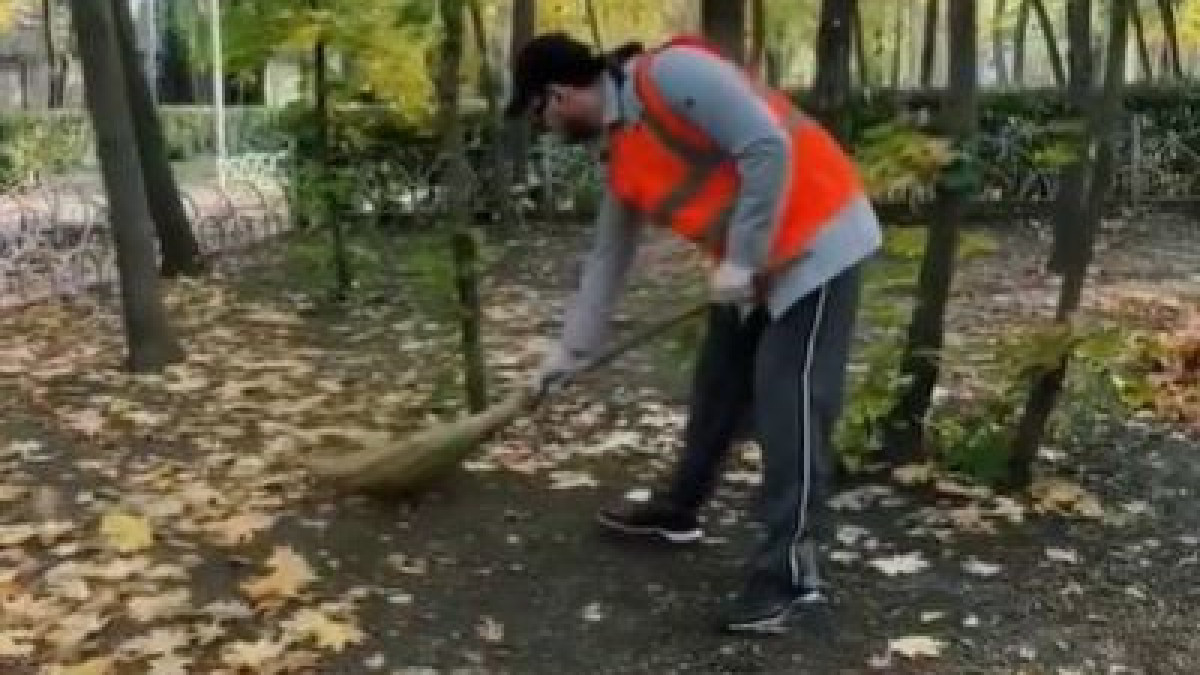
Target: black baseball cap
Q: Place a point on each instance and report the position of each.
(550, 58)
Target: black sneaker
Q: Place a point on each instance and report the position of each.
(766, 608)
(655, 518)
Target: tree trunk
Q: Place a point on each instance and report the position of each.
(1139, 31)
(1047, 26)
(151, 346)
(1021, 33)
(178, 85)
(724, 22)
(328, 205)
(831, 89)
(454, 152)
(859, 39)
(503, 180)
(904, 427)
(998, 35)
(180, 250)
(1088, 203)
(758, 40)
(524, 20)
(898, 43)
(1079, 95)
(1171, 27)
(933, 10)
(593, 18)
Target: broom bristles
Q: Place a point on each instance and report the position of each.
(414, 462)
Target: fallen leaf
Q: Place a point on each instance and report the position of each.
(490, 630)
(930, 617)
(593, 612)
(859, 498)
(96, 666)
(1058, 495)
(916, 646)
(913, 474)
(327, 633)
(907, 563)
(148, 608)
(239, 529)
(226, 610)
(289, 574)
(158, 642)
(951, 488)
(570, 480)
(1063, 555)
(126, 532)
(406, 565)
(15, 642)
(639, 495)
(980, 568)
(849, 535)
(253, 655)
(73, 630)
(170, 664)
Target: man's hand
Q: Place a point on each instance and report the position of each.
(731, 284)
(555, 370)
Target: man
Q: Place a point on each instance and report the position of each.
(695, 145)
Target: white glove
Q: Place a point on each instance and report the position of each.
(555, 370)
(731, 284)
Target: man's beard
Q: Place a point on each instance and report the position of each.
(579, 133)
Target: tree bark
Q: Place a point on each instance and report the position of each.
(454, 152)
(724, 22)
(1139, 31)
(1166, 8)
(904, 428)
(859, 40)
(1079, 95)
(1088, 203)
(1021, 33)
(503, 180)
(151, 345)
(1055, 56)
(181, 254)
(998, 35)
(524, 20)
(831, 89)
(933, 10)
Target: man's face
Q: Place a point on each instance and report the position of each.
(573, 113)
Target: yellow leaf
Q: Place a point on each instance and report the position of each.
(126, 532)
(311, 624)
(239, 529)
(146, 609)
(289, 574)
(14, 643)
(916, 646)
(96, 666)
(253, 655)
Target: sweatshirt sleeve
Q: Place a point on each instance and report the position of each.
(715, 96)
(605, 269)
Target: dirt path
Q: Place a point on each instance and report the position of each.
(503, 571)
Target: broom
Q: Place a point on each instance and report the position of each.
(413, 463)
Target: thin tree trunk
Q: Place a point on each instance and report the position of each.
(904, 428)
(1139, 31)
(998, 34)
(1089, 204)
(1079, 95)
(724, 22)
(831, 89)
(151, 345)
(594, 24)
(933, 10)
(859, 38)
(524, 19)
(1021, 33)
(180, 250)
(453, 150)
(327, 206)
(1047, 26)
(503, 182)
(758, 40)
(1171, 27)
(898, 44)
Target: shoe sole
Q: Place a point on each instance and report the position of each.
(777, 624)
(670, 536)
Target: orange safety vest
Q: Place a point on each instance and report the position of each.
(671, 172)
